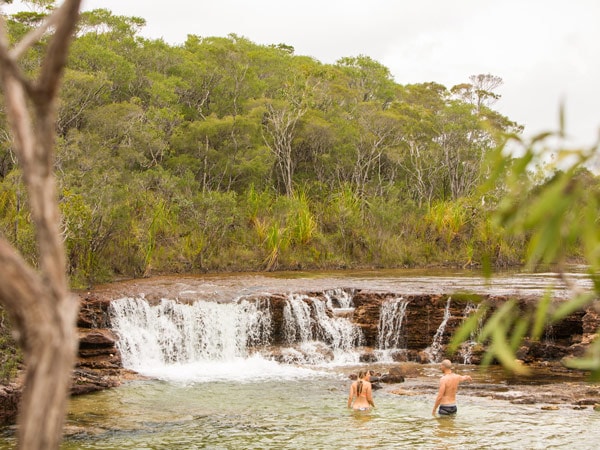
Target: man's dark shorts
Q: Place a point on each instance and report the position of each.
(447, 410)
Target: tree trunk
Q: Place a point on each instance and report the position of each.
(42, 308)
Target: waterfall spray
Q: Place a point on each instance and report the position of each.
(466, 348)
(391, 318)
(435, 351)
(172, 332)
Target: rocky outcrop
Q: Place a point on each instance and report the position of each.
(99, 362)
(425, 313)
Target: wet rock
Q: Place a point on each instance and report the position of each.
(399, 355)
(368, 357)
(404, 392)
(94, 311)
(550, 408)
(10, 395)
(405, 370)
(392, 378)
(97, 338)
(87, 381)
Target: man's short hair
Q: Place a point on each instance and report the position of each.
(447, 364)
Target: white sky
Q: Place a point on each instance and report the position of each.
(546, 51)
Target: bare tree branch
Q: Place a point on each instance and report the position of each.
(43, 309)
(33, 36)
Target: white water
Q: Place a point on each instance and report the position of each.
(466, 348)
(339, 298)
(435, 351)
(202, 341)
(391, 317)
(209, 341)
(306, 320)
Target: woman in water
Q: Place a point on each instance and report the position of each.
(361, 394)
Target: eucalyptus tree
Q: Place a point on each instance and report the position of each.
(461, 153)
(379, 133)
(416, 154)
(282, 119)
(38, 299)
(107, 43)
(206, 148)
(81, 92)
(480, 92)
(201, 77)
(281, 122)
(371, 80)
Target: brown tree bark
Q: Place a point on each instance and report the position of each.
(38, 299)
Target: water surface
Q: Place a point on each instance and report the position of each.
(311, 413)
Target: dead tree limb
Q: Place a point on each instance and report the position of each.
(38, 299)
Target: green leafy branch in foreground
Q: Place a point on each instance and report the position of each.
(557, 215)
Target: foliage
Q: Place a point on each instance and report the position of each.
(223, 154)
(558, 214)
(10, 355)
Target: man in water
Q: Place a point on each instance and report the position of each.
(446, 398)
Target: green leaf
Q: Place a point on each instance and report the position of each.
(467, 328)
(503, 352)
(518, 332)
(541, 315)
(496, 321)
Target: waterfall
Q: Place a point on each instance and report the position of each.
(435, 351)
(308, 322)
(466, 348)
(172, 332)
(389, 329)
(339, 299)
(549, 334)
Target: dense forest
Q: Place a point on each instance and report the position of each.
(221, 154)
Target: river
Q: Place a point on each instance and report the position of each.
(219, 397)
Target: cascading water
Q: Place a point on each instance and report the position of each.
(391, 317)
(339, 299)
(466, 348)
(205, 335)
(435, 350)
(173, 332)
(308, 325)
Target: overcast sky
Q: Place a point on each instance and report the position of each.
(546, 51)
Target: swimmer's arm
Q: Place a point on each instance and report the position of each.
(351, 396)
(466, 378)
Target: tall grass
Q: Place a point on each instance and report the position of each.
(301, 221)
(275, 242)
(448, 219)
